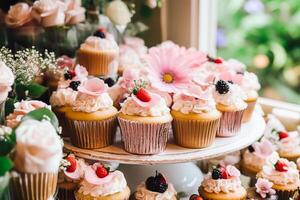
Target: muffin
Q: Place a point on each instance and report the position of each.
(99, 54)
(195, 119)
(101, 184)
(37, 157)
(254, 157)
(223, 183)
(155, 187)
(230, 101)
(283, 174)
(262, 190)
(93, 119)
(145, 122)
(71, 174)
(288, 145)
(64, 97)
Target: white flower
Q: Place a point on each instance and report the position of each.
(75, 13)
(6, 81)
(118, 12)
(151, 3)
(38, 147)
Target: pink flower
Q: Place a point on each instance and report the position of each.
(129, 75)
(81, 73)
(155, 98)
(170, 67)
(263, 149)
(18, 15)
(65, 61)
(136, 44)
(232, 171)
(196, 91)
(93, 87)
(264, 187)
(75, 13)
(6, 81)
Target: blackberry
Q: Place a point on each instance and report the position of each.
(231, 82)
(99, 34)
(216, 174)
(242, 73)
(222, 87)
(109, 81)
(74, 85)
(68, 76)
(157, 183)
(251, 149)
(151, 183)
(161, 187)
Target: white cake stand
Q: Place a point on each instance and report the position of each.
(177, 163)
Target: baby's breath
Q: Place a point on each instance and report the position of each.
(4, 133)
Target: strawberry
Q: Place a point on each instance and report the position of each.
(218, 61)
(73, 164)
(101, 172)
(281, 166)
(283, 135)
(224, 174)
(195, 197)
(143, 95)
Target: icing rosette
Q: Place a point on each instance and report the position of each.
(92, 185)
(230, 183)
(280, 171)
(93, 43)
(92, 96)
(143, 193)
(155, 107)
(63, 97)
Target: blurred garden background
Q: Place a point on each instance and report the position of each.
(265, 35)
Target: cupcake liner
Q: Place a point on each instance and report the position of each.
(28, 186)
(285, 195)
(93, 134)
(144, 138)
(249, 111)
(98, 63)
(230, 123)
(195, 133)
(63, 123)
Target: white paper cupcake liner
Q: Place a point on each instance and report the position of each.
(230, 123)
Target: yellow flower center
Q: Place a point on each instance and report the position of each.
(168, 78)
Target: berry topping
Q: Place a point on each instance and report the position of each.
(143, 95)
(241, 73)
(73, 164)
(101, 172)
(224, 174)
(283, 135)
(222, 87)
(69, 74)
(157, 183)
(74, 85)
(195, 197)
(109, 81)
(100, 33)
(281, 166)
(216, 174)
(218, 61)
(251, 149)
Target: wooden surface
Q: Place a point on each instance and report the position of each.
(250, 132)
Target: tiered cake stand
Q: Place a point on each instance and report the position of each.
(177, 163)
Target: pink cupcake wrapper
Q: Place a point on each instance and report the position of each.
(144, 138)
(230, 123)
(93, 134)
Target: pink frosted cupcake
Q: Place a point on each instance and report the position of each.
(93, 118)
(145, 122)
(230, 101)
(71, 175)
(101, 184)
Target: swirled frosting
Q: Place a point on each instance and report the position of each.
(269, 172)
(221, 185)
(78, 174)
(250, 84)
(63, 97)
(158, 108)
(186, 104)
(94, 43)
(253, 160)
(92, 185)
(88, 103)
(234, 97)
(291, 144)
(143, 193)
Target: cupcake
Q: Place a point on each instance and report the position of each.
(65, 96)
(223, 183)
(283, 174)
(254, 157)
(101, 184)
(155, 187)
(195, 118)
(99, 54)
(262, 190)
(92, 119)
(230, 101)
(145, 122)
(21, 109)
(298, 164)
(37, 157)
(71, 174)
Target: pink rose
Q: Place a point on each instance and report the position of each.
(93, 87)
(75, 13)
(232, 171)
(18, 15)
(6, 81)
(49, 12)
(65, 61)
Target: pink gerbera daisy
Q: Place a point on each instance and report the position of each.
(170, 67)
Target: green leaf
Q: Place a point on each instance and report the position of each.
(7, 144)
(35, 90)
(9, 106)
(6, 165)
(41, 114)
